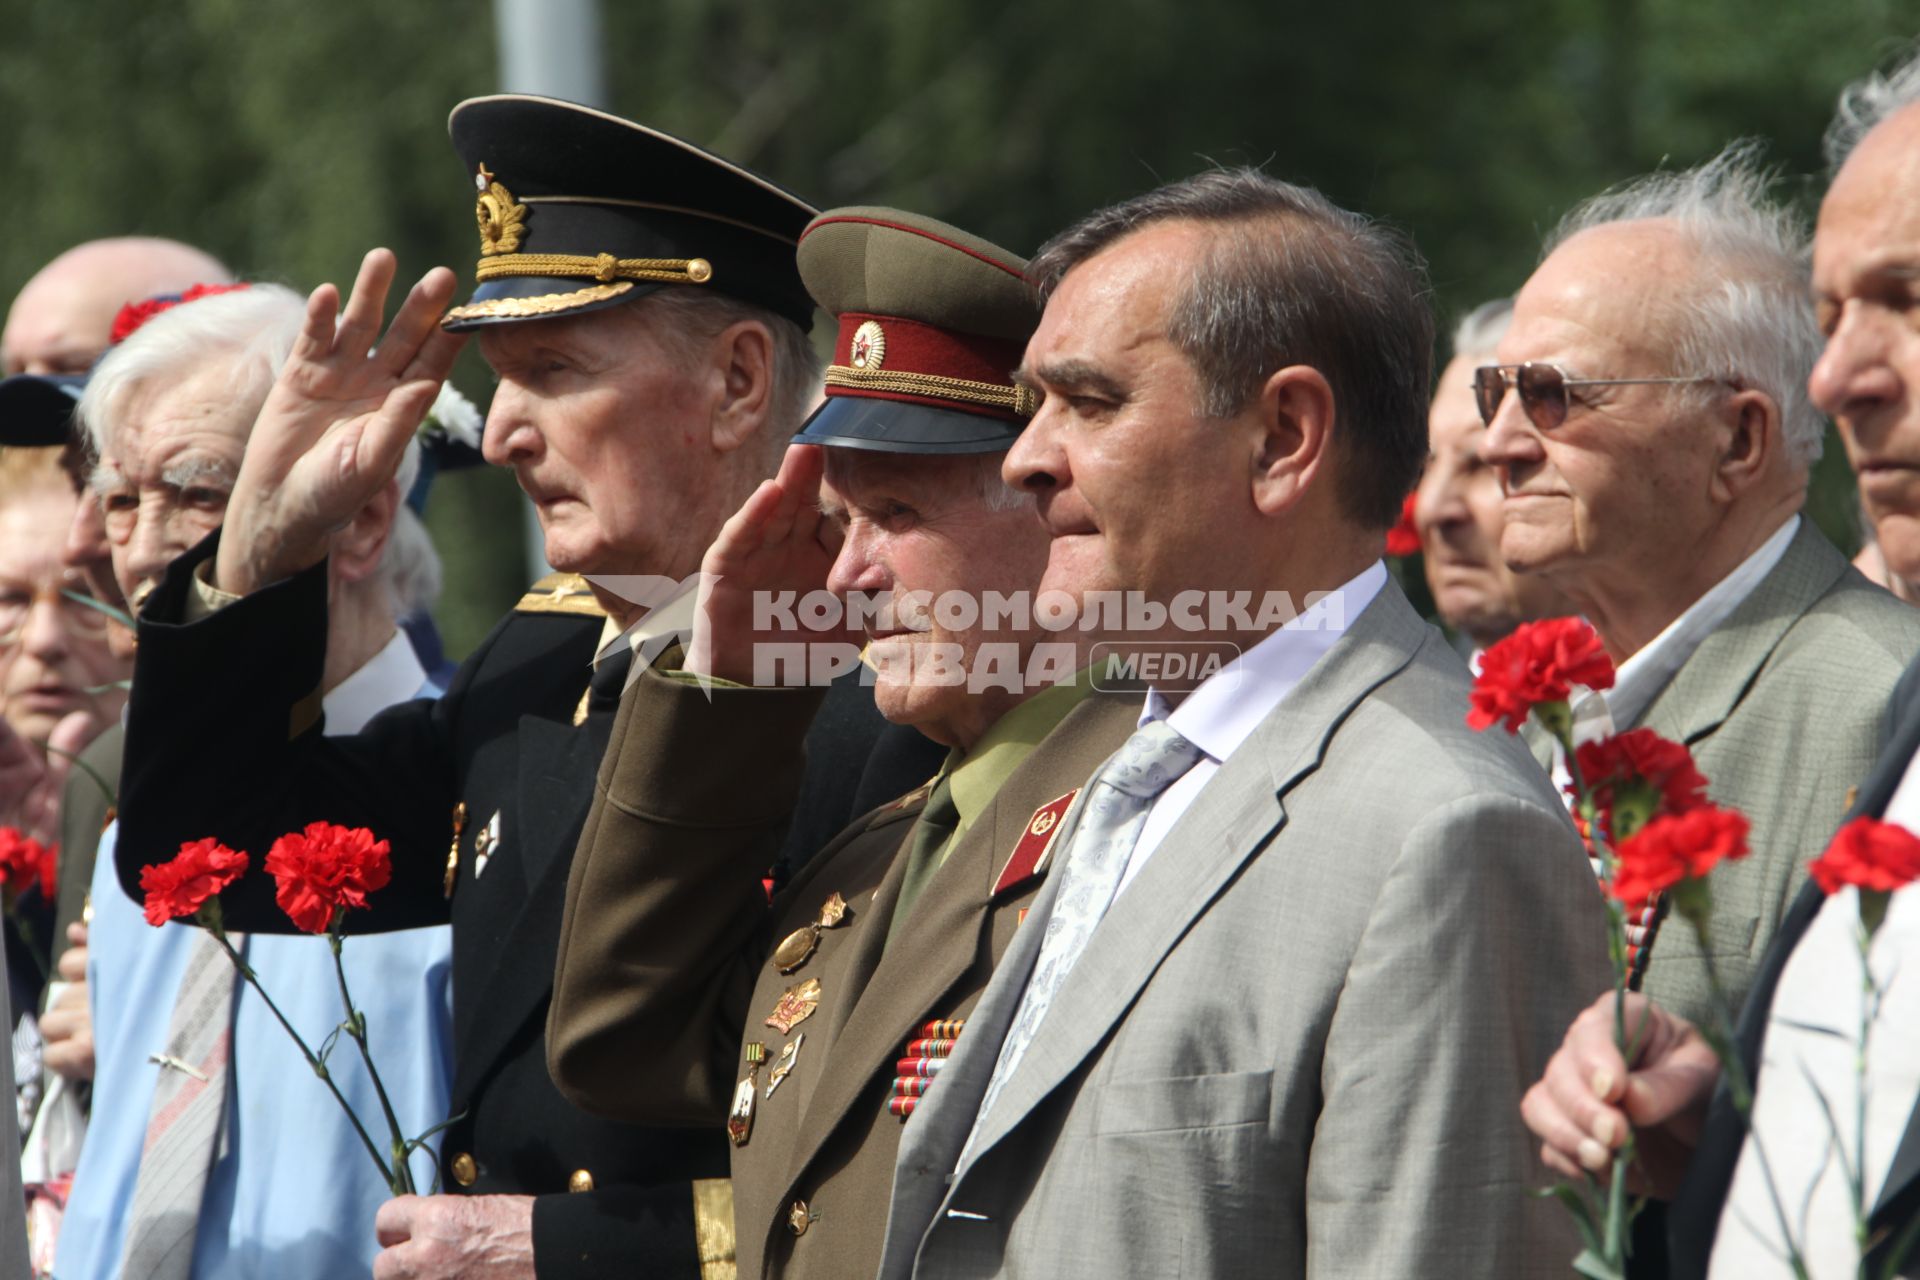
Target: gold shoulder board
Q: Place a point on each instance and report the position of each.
(560, 593)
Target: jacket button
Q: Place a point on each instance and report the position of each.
(799, 1218)
(580, 1181)
(465, 1172)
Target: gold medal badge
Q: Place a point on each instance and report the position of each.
(869, 347)
(797, 946)
(796, 1005)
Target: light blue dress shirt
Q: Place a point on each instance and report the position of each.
(294, 1196)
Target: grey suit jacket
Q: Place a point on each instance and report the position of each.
(1784, 709)
(1296, 1044)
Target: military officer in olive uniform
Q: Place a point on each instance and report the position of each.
(815, 1031)
(639, 303)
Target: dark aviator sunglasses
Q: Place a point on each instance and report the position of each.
(1543, 389)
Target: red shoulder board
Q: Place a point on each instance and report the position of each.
(1029, 858)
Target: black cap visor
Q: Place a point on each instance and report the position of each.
(37, 412)
(897, 426)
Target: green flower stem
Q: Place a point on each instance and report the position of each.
(1869, 1010)
(319, 1068)
(401, 1179)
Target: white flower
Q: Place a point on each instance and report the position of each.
(454, 417)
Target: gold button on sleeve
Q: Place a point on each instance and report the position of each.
(465, 1171)
(580, 1181)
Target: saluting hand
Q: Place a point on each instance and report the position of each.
(1585, 1104)
(455, 1238)
(333, 429)
(778, 542)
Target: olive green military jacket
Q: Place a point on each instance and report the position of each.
(665, 972)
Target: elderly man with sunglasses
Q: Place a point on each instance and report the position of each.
(1653, 434)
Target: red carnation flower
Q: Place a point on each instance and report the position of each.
(1636, 776)
(25, 862)
(1675, 848)
(325, 869)
(1870, 854)
(1540, 662)
(197, 873)
(1404, 538)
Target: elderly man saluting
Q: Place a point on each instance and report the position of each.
(639, 302)
(853, 993)
(1652, 430)
(1307, 935)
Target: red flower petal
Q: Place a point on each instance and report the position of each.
(1870, 854)
(324, 869)
(181, 887)
(1404, 538)
(1540, 662)
(1676, 847)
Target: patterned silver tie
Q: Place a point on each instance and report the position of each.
(187, 1119)
(1119, 799)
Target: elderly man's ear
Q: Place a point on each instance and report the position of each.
(1752, 449)
(355, 551)
(1292, 418)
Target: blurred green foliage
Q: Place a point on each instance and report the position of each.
(289, 137)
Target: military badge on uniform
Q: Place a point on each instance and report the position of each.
(501, 217)
(784, 1067)
(869, 349)
(453, 852)
(796, 1005)
(926, 1055)
(740, 1115)
(486, 843)
(798, 945)
(1029, 857)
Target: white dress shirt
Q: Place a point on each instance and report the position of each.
(1813, 1030)
(1230, 704)
(1638, 681)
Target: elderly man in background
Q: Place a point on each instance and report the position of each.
(59, 683)
(58, 325)
(1271, 1016)
(1457, 508)
(638, 298)
(214, 1151)
(1799, 1034)
(1652, 430)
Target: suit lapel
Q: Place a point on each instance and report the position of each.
(900, 990)
(1705, 691)
(557, 764)
(1236, 816)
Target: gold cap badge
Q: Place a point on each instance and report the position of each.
(502, 219)
(869, 346)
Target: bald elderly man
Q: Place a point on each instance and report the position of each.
(62, 320)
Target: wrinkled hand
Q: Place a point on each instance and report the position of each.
(444, 1237)
(32, 779)
(335, 425)
(67, 1027)
(777, 542)
(1581, 1109)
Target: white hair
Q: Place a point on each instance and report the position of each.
(1868, 101)
(254, 329)
(1481, 329)
(1750, 317)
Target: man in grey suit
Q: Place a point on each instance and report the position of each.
(1309, 936)
(1655, 460)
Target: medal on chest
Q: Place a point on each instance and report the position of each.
(795, 949)
(926, 1055)
(740, 1115)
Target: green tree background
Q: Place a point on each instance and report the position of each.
(289, 137)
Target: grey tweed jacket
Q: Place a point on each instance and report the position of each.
(1784, 709)
(1296, 1045)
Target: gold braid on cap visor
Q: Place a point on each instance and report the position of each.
(1018, 400)
(616, 276)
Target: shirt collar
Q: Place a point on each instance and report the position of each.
(1230, 704)
(392, 675)
(1643, 675)
(977, 776)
